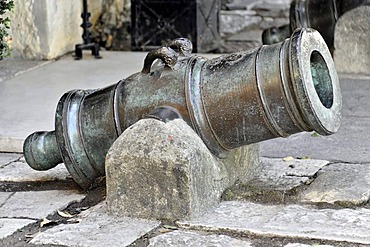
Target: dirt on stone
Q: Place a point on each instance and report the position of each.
(22, 237)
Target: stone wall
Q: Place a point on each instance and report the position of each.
(111, 23)
(43, 29)
(243, 21)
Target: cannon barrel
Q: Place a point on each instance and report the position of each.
(321, 15)
(230, 101)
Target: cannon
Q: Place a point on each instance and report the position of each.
(230, 101)
(321, 15)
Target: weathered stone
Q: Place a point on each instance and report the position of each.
(271, 8)
(277, 174)
(6, 158)
(352, 46)
(356, 94)
(11, 144)
(353, 133)
(45, 29)
(254, 35)
(351, 225)
(4, 196)
(37, 204)
(236, 4)
(237, 20)
(10, 226)
(110, 23)
(11, 67)
(96, 229)
(164, 170)
(345, 184)
(268, 22)
(21, 172)
(305, 245)
(181, 238)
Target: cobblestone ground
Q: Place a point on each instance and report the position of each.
(297, 206)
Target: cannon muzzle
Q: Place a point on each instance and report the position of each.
(230, 101)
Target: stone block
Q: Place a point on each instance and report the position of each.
(306, 245)
(37, 204)
(343, 184)
(45, 29)
(22, 172)
(351, 42)
(181, 238)
(10, 226)
(236, 20)
(294, 221)
(7, 158)
(96, 229)
(278, 174)
(164, 170)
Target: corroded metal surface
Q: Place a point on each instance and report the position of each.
(321, 15)
(230, 101)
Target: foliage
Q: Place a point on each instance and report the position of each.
(5, 6)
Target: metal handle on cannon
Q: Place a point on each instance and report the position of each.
(168, 54)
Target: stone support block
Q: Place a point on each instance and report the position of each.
(164, 171)
(352, 46)
(44, 29)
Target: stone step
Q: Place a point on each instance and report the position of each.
(294, 221)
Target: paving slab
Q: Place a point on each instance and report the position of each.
(7, 158)
(182, 238)
(351, 144)
(4, 196)
(97, 229)
(286, 174)
(345, 184)
(305, 245)
(351, 225)
(355, 92)
(10, 226)
(11, 67)
(38, 204)
(21, 172)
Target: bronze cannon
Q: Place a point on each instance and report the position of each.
(229, 101)
(321, 15)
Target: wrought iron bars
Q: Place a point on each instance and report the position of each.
(86, 36)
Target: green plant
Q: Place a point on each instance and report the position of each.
(5, 6)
